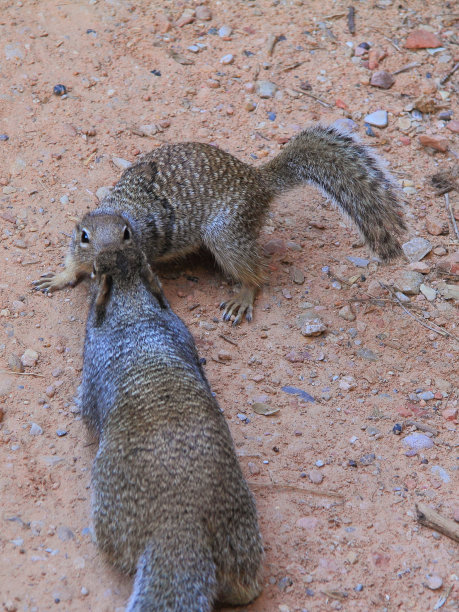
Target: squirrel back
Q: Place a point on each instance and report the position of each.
(185, 196)
(169, 499)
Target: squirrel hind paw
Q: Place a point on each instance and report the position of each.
(238, 306)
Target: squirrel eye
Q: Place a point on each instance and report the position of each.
(84, 236)
(127, 234)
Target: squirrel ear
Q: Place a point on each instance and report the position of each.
(153, 284)
(103, 294)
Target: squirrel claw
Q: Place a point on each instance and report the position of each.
(238, 308)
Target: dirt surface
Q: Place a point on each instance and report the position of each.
(335, 487)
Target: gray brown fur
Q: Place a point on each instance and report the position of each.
(169, 499)
(181, 197)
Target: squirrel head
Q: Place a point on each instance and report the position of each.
(127, 267)
(98, 232)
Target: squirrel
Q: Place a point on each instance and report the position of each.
(181, 197)
(169, 501)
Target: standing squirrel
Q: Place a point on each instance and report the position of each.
(169, 501)
(181, 197)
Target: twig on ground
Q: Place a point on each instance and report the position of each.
(310, 95)
(449, 208)
(351, 20)
(440, 331)
(229, 340)
(22, 373)
(450, 74)
(287, 487)
(272, 40)
(406, 67)
(432, 519)
(420, 426)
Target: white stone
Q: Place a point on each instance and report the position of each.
(379, 118)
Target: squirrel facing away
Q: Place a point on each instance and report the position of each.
(182, 197)
(169, 499)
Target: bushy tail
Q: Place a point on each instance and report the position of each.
(348, 173)
(173, 578)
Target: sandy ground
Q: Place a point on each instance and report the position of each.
(335, 489)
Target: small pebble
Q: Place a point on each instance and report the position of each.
(315, 476)
(35, 430)
(29, 358)
(441, 473)
(378, 118)
(59, 90)
(64, 200)
(266, 89)
(434, 582)
(347, 313)
(409, 282)
(61, 432)
(367, 459)
(435, 142)
(429, 293)
(382, 79)
(313, 327)
(121, 163)
(425, 395)
(4, 137)
(397, 429)
(203, 13)
(416, 248)
(418, 441)
(360, 262)
(422, 39)
(65, 533)
(227, 59)
(225, 31)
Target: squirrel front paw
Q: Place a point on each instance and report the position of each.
(52, 282)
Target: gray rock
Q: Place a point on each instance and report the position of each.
(437, 470)
(345, 124)
(225, 31)
(402, 297)
(418, 441)
(379, 118)
(416, 249)
(150, 129)
(121, 163)
(227, 59)
(428, 292)
(313, 327)
(13, 51)
(35, 430)
(450, 292)
(433, 583)
(266, 89)
(315, 476)
(6, 383)
(409, 282)
(425, 395)
(367, 459)
(64, 200)
(360, 262)
(368, 354)
(65, 533)
(297, 275)
(103, 192)
(346, 313)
